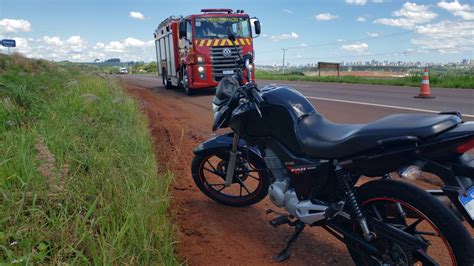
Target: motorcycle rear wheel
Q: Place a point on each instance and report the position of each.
(426, 218)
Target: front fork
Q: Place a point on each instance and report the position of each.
(232, 160)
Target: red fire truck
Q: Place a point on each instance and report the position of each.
(194, 52)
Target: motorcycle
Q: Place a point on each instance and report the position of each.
(282, 146)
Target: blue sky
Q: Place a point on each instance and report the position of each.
(325, 30)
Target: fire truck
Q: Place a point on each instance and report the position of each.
(194, 52)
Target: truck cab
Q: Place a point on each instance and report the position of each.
(193, 52)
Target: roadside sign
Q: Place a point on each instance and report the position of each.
(8, 43)
(328, 65)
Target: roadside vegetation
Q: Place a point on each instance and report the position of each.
(463, 79)
(133, 68)
(79, 183)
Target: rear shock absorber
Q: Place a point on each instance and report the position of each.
(345, 185)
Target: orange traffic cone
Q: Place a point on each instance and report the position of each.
(425, 91)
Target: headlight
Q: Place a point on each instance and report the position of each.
(251, 66)
(200, 69)
(215, 108)
(247, 63)
(200, 59)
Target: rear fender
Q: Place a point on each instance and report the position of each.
(454, 183)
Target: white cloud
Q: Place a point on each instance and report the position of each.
(409, 15)
(53, 41)
(75, 48)
(378, 1)
(303, 45)
(21, 43)
(373, 34)
(285, 36)
(325, 16)
(361, 19)
(14, 25)
(446, 36)
(75, 40)
(358, 47)
(99, 45)
(115, 46)
(288, 11)
(458, 10)
(136, 15)
(76, 44)
(356, 2)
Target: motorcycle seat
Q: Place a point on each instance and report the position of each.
(321, 138)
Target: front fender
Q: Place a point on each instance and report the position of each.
(224, 142)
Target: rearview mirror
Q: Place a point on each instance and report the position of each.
(256, 24)
(230, 34)
(182, 29)
(248, 57)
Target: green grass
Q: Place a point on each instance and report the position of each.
(79, 183)
(441, 80)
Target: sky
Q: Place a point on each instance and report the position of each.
(438, 31)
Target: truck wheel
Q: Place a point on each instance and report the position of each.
(186, 87)
(166, 82)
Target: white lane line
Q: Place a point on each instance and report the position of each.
(353, 102)
(291, 85)
(380, 105)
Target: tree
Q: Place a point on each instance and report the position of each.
(150, 67)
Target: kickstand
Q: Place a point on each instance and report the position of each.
(284, 254)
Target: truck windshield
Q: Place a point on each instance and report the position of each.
(216, 27)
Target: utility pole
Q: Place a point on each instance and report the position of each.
(283, 64)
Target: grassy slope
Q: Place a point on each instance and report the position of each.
(78, 178)
(465, 80)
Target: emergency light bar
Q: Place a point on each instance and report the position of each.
(217, 10)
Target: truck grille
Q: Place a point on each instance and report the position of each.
(221, 62)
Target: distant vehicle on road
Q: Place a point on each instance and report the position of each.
(193, 52)
(123, 70)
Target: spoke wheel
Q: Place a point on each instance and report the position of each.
(409, 219)
(416, 212)
(249, 185)
(185, 84)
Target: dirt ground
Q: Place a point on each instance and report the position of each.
(209, 233)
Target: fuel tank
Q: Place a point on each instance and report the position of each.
(295, 102)
(282, 110)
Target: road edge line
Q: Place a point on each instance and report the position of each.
(381, 105)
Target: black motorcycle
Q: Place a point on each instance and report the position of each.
(282, 146)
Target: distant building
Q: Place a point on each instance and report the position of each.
(112, 60)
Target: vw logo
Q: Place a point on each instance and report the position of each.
(226, 52)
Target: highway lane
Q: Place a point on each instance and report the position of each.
(347, 103)
(446, 99)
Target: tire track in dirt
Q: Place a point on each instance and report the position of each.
(210, 233)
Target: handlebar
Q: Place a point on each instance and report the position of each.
(256, 96)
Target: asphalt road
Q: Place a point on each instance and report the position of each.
(349, 103)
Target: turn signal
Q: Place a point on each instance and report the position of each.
(411, 172)
(465, 146)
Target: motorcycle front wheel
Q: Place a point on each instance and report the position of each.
(249, 184)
